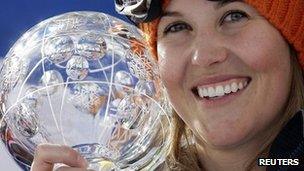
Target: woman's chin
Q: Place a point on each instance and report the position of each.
(223, 138)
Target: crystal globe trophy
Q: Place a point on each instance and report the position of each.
(86, 80)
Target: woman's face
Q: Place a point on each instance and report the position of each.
(226, 68)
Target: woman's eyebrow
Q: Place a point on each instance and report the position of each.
(171, 14)
(219, 4)
(222, 3)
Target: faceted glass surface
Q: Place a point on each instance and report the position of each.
(87, 80)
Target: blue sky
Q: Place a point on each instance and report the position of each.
(17, 16)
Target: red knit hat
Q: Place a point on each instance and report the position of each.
(286, 15)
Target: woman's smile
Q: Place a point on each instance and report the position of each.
(219, 90)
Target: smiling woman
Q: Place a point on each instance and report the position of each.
(233, 71)
(233, 78)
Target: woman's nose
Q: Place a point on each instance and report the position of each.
(208, 55)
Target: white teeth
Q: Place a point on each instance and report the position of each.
(234, 87)
(220, 90)
(211, 92)
(227, 89)
(201, 92)
(205, 92)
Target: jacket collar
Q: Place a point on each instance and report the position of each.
(290, 141)
(289, 144)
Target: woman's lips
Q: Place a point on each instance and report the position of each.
(218, 93)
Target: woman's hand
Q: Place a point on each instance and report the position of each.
(46, 155)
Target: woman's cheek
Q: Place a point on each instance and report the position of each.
(259, 48)
(169, 68)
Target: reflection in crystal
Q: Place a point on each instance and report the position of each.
(88, 97)
(123, 82)
(32, 98)
(12, 70)
(138, 62)
(77, 68)
(145, 87)
(93, 149)
(120, 138)
(50, 82)
(113, 107)
(26, 121)
(57, 26)
(59, 49)
(91, 46)
(76, 20)
(121, 30)
(18, 152)
(3, 125)
(131, 109)
(61, 24)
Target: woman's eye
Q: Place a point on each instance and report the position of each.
(176, 27)
(234, 16)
